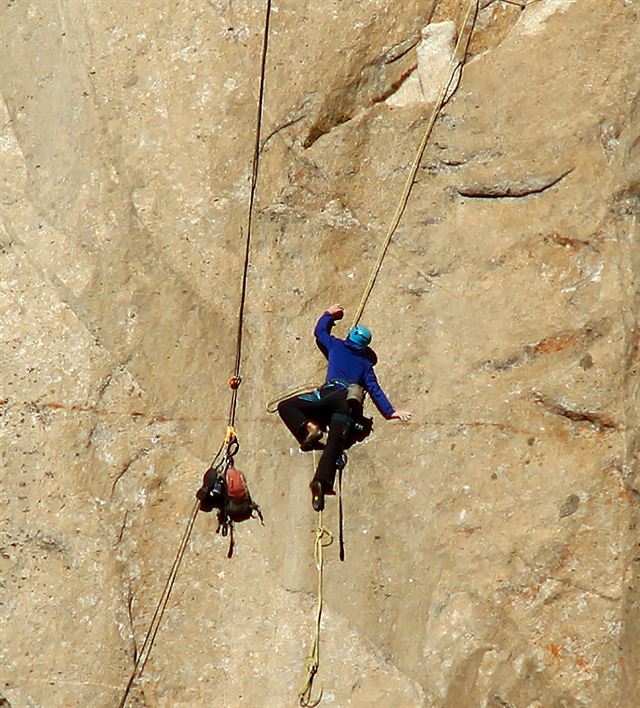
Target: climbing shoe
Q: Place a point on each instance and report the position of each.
(312, 439)
(317, 495)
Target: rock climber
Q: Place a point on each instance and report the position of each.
(350, 361)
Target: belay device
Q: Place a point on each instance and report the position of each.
(225, 488)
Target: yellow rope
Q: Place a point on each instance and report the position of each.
(324, 538)
(456, 62)
(272, 405)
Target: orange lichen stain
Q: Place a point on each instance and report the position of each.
(152, 418)
(555, 650)
(532, 592)
(583, 664)
(554, 343)
(621, 661)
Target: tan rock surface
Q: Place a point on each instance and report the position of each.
(492, 543)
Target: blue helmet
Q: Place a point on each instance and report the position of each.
(360, 336)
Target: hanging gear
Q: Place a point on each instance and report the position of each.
(238, 503)
(225, 488)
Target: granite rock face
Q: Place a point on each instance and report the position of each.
(492, 544)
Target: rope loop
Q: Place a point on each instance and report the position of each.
(324, 538)
(272, 405)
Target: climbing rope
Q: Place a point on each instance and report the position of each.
(234, 383)
(236, 379)
(340, 515)
(456, 63)
(272, 405)
(457, 60)
(154, 626)
(324, 538)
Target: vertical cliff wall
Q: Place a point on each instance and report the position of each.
(492, 551)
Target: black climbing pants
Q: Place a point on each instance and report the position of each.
(327, 407)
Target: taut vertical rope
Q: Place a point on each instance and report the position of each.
(457, 60)
(154, 626)
(235, 380)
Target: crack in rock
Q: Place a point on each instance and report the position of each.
(130, 601)
(541, 574)
(600, 421)
(122, 528)
(143, 452)
(514, 189)
(517, 3)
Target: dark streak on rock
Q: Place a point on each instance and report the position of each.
(140, 454)
(326, 125)
(501, 701)
(565, 581)
(103, 387)
(573, 244)
(569, 506)
(514, 190)
(549, 345)
(133, 634)
(401, 49)
(122, 528)
(279, 128)
(392, 88)
(518, 3)
(49, 544)
(627, 201)
(601, 422)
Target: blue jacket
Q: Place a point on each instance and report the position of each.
(349, 364)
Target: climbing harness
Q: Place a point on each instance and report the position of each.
(230, 444)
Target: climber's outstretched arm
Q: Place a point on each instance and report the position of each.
(322, 332)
